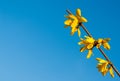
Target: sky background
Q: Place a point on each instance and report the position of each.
(34, 46)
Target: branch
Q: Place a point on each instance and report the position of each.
(88, 33)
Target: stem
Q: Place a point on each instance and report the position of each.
(114, 68)
(68, 11)
(85, 30)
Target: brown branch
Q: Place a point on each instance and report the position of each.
(88, 33)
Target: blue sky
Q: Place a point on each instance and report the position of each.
(34, 46)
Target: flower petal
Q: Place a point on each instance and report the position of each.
(89, 53)
(82, 19)
(68, 22)
(74, 24)
(111, 72)
(83, 49)
(100, 40)
(79, 32)
(79, 43)
(72, 17)
(98, 45)
(104, 72)
(99, 66)
(89, 46)
(78, 12)
(101, 60)
(106, 46)
(90, 40)
(73, 30)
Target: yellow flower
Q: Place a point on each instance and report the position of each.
(111, 72)
(73, 21)
(104, 66)
(103, 42)
(88, 43)
(79, 17)
(73, 30)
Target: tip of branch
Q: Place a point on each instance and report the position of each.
(68, 11)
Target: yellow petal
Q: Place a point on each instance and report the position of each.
(89, 46)
(72, 17)
(68, 22)
(90, 40)
(82, 19)
(98, 45)
(111, 72)
(89, 53)
(73, 31)
(99, 66)
(78, 12)
(79, 43)
(83, 49)
(79, 32)
(106, 46)
(101, 60)
(102, 67)
(100, 40)
(74, 23)
(104, 72)
(84, 42)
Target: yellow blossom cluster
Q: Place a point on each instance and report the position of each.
(88, 43)
(104, 67)
(74, 20)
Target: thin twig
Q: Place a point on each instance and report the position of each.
(114, 68)
(109, 61)
(102, 52)
(85, 30)
(68, 11)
